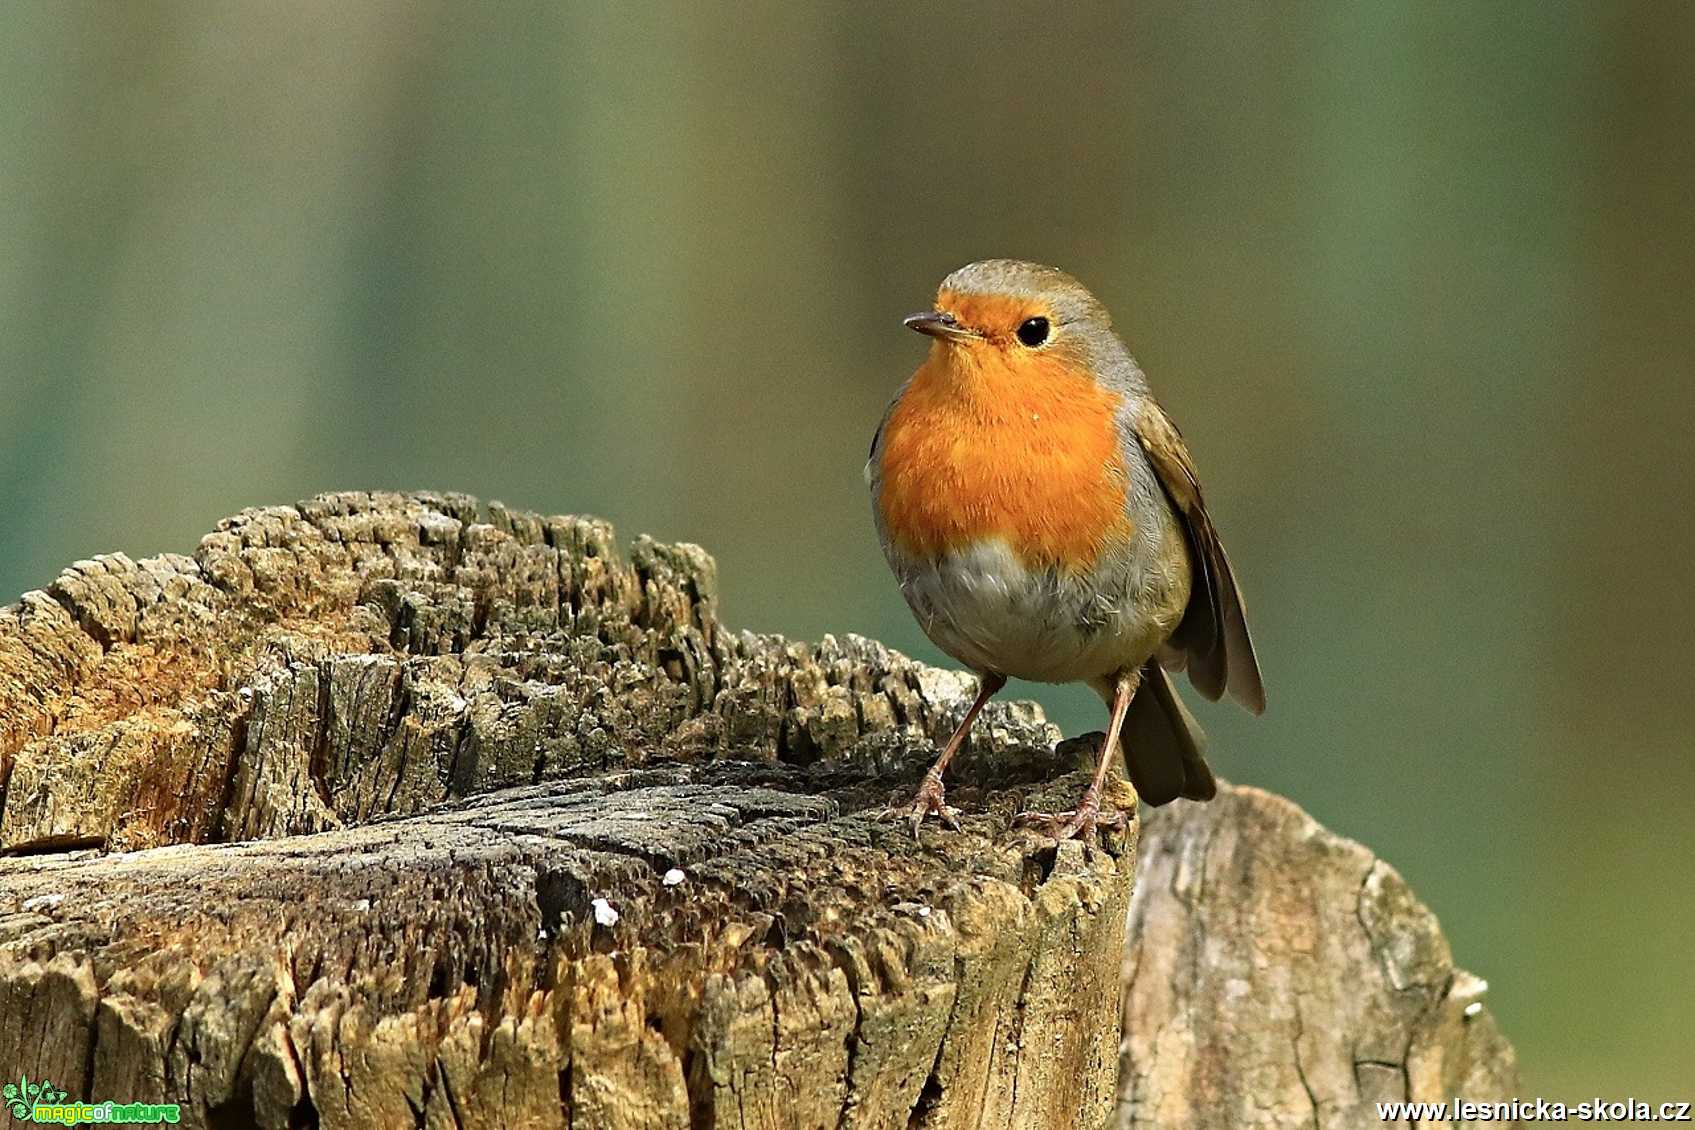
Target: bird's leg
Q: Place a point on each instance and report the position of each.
(931, 796)
(1086, 817)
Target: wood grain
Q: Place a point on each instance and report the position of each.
(399, 810)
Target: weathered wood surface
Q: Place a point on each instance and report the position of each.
(1278, 975)
(364, 815)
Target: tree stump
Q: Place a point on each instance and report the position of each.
(389, 810)
(1278, 975)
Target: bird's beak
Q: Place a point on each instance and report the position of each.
(939, 323)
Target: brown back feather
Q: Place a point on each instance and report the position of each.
(1212, 638)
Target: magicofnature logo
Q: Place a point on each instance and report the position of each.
(42, 1102)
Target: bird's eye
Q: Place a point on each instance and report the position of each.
(1033, 331)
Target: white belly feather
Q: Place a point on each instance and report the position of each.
(984, 608)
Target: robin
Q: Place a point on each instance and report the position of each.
(1045, 522)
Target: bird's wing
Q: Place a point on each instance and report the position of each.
(1212, 637)
(871, 469)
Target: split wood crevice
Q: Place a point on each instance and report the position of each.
(395, 810)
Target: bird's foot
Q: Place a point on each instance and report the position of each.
(1081, 823)
(929, 800)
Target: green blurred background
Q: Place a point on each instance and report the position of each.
(1418, 282)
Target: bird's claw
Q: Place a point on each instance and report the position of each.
(929, 800)
(1081, 823)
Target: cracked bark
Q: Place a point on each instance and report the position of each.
(361, 816)
(1278, 975)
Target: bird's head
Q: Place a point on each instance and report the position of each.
(1006, 313)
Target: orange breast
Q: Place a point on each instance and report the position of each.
(980, 448)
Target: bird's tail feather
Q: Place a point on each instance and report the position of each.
(1164, 746)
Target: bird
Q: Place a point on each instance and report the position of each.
(1044, 519)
